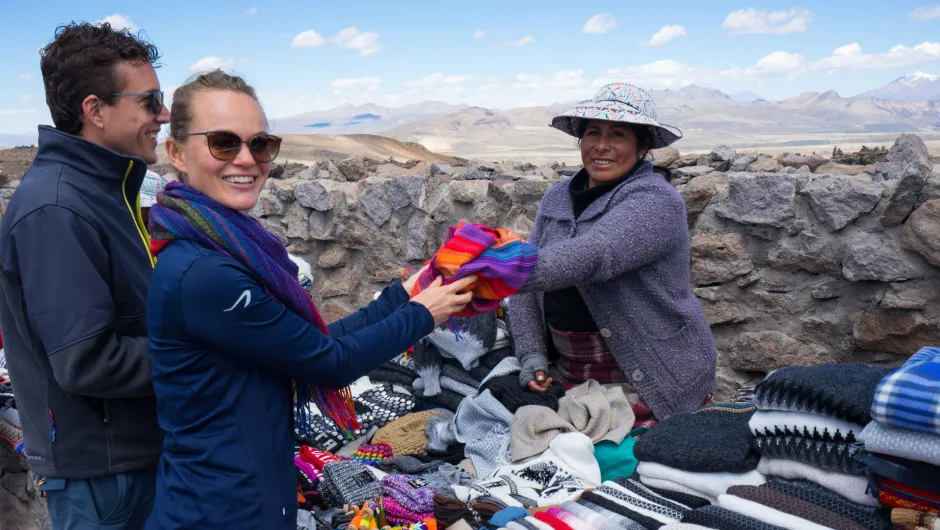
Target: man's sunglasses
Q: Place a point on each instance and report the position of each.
(225, 145)
(156, 99)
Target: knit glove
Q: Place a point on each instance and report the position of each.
(531, 363)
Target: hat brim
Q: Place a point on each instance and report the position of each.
(572, 121)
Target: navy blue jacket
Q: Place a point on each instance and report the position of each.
(223, 354)
(74, 272)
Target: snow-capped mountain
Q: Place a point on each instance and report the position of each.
(920, 86)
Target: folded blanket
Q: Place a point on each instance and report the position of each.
(600, 519)
(724, 519)
(711, 484)
(814, 439)
(601, 413)
(832, 456)
(904, 443)
(852, 487)
(898, 495)
(869, 517)
(793, 506)
(766, 514)
(721, 441)
(680, 494)
(843, 391)
(559, 517)
(621, 509)
(909, 398)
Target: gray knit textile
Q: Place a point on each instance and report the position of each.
(844, 391)
(440, 431)
(428, 363)
(484, 425)
(724, 519)
(451, 371)
(474, 338)
(348, 482)
(871, 517)
(408, 465)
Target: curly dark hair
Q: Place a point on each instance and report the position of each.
(81, 61)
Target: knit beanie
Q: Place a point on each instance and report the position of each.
(615, 460)
(386, 404)
(844, 391)
(427, 362)
(348, 482)
(307, 476)
(405, 435)
(533, 429)
(440, 431)
(506, 389)
(410, 491)
(372, 454)
(711, 439)
(316, 457)
(466, 339)
(397, 513)
(602, 413)
(407, 465)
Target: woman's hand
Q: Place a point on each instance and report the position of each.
(541, 383)
(444, 301)
(409, 284)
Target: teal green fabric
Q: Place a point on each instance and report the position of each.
(616, 460)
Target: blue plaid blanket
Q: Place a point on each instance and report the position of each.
(909, 397)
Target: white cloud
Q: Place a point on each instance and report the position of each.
(26, 98)
(353, 39)
(750, 20)
(118, 22)
(851, 56)
(521, 42)
(24, 77)
(212, 63)
(479, 34)
(358, 83)
(560, 79)
(776, 64)
(251, 11)
(665, 73)
(925, 13)
(666, 34)
(600, 24)
(438, 79)
(308, 39)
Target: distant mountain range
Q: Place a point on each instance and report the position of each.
(919, 86)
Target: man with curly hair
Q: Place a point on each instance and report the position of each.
(75, 269)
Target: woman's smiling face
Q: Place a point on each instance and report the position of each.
(608, 150)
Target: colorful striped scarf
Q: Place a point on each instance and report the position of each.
(182, 212)
(500, 258)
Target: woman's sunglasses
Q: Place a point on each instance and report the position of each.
(225, 145)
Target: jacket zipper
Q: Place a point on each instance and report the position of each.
(137, 215)
(107, 429)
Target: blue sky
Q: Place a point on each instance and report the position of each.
(317, 54)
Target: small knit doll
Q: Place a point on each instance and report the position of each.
(501, 260)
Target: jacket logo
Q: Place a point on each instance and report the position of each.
(246, 296)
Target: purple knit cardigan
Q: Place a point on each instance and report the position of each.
(628, 254)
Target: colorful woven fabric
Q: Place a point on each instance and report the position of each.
(410, 491)
(897, 495)
(398, 514)
(500, 259)
(909, 398)
(182, 212)
(372, 454)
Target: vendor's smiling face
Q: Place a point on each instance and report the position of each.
(608, 150)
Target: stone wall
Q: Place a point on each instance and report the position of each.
(793, 261)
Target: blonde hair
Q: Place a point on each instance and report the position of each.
(181, 113)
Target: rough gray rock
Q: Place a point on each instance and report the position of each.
(839, 200)
(375, 202)
(321, 195)
(420, 230)
(691, 172)
(808, 252)
(742, 162)
(894, 331)
(333, 257)
(875, 257)
(469, 191)
(440, 169)
(722, 153)
(664, 157)
(297, 222)
(719, 258)
(921, 233)
(909, 154)
(797, 161)
(759, 199)
(910, 184)
(356, 168)
(765, 165)
(762, 351)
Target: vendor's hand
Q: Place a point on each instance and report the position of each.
(445, 300)
(409, 284)
(541, 383)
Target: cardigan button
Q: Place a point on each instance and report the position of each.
(638, 375)
(606, 333)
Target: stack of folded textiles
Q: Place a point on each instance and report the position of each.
(808, 421)
(701, 453)
(902, 443)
